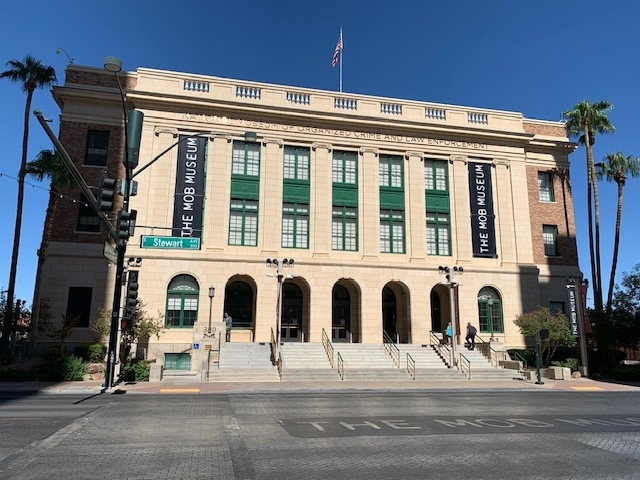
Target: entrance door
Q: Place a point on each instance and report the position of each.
(389, 315)
(341, 315)
(291, 324)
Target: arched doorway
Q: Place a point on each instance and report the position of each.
(341, 317)
(437, 322)
(490, 312)
(389, 314)
(238, 303)
(291, 318)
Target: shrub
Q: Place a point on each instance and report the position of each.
(571, 363)
(136, 370)
(58, 366)
(91, 352)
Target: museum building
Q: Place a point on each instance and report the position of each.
(383, 217)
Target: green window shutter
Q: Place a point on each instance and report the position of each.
(245, 189)
(296, 192)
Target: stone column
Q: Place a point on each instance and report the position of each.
(321, 200)
(217, 194)
(415, 208)
(369, 203)
(462, 247)
(270, 205)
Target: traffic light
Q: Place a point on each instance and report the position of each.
(126, 323)
(126, 224)
(104, 202)
(131, 299)
(134, 133)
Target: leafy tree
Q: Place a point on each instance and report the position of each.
(556, 323)
(30, 74)
(48, 164)
(584, 122)
(144, 327)
(616, 168)
(64, 330)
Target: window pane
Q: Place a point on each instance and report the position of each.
(97, 144)
(545, 187)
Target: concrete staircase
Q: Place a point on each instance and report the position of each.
(481, 368)
(306, 362)
(244, 362)
(368, 362)
(429, 366)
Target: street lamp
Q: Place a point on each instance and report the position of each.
(212, 292)
(449, 273)
(275, 263)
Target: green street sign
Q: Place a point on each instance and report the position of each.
(184, 243)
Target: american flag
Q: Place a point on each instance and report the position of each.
(337, 51)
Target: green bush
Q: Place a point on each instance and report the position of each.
(16, 375)
(91, 352)
(571, 363)
(57, 366)
(136, 370)
(624, 372)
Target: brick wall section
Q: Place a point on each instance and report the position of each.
(100, 78)
(74, 137)
(559, 212)
(546, 130)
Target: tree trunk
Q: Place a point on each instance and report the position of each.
(8, 327)
(616, 243)
(593, 248)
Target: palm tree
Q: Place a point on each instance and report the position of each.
(584, 122)
(30, 74)
(616, 168)
(48, 164)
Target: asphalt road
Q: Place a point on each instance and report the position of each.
(362, 435)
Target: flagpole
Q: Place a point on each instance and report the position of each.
(342, 45)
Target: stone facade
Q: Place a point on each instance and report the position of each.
(350, 295)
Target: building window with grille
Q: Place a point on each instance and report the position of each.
(556, 307)
(88, 219)
(490, 311)
(182, 302)
(344, 229)
(550, 240)
(245, 159)
(436, 175)
(390, 171)
(296, 163)
(438, 234)
(345, 168)
(392, 231)
(545, 187)
(243, 222)
(295, 225)
(97, 148)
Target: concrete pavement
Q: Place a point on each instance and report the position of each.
(191, 387)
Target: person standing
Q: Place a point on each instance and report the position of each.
(228, 321)
(449, 333)
(470, 339)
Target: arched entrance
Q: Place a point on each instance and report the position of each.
(437, 322)
(239, 304)
(341, 315)
(396, 321)
(291, 319)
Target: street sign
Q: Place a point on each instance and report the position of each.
(184, 243)
(196, 346)
(110, 252)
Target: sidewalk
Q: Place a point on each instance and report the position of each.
(190, 387)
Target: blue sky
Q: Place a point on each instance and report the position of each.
(539, 58)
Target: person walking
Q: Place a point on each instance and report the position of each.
(470, 339)
(228, 322)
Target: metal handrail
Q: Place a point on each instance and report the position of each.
(280, 364)
(392, 349)
(439, 346)
(465, 364)
(340, 366)
(328, 347)
(411, 366)
(522, 361)
(490, 353)
(208, 364)
(274, 347)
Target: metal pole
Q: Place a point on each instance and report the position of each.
(279, 312)
(537, 345)
(454, 329)
(210, 307)
(115, 316)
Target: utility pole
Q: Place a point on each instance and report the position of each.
(449, 280)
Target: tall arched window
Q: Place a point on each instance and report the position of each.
(182, 301)
(490, 311)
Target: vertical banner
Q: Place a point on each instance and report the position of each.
(573, 309)
(482, 217)
(188, 201)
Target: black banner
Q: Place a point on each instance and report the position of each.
(187, 207)
(482, 217)
(573, 309)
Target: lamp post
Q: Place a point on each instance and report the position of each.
(212, 292)
(449, 273)
(275, 263)
(536, 339)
